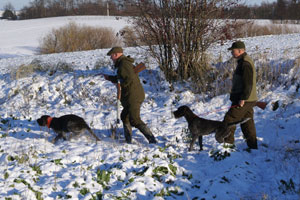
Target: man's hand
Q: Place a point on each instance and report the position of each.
(241, 103)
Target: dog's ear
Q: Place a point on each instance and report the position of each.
(40, 122)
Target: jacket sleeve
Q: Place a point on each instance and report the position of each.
(247, 80)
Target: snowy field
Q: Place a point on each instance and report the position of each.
(25, 35)
(33, 168)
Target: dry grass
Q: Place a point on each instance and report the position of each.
(36, 66)
(73, 37)
(130, 37)
(251, 29)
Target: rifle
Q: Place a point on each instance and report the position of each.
(262, 105)
(118, 101)
(137, 69)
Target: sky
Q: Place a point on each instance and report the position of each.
(18, 4)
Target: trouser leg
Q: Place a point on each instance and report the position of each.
(127, 133)
(249, 130)
(236, 114)
(147, 133)
(135, 120)
(230, 138)
(131, 116)
(126, 125)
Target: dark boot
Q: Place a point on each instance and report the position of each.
(252, 144)
(147, 133)
(127, 132)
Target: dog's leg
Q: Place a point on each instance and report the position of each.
(200, 138)
(193, 142)
(63, 136)
(59, 135)
(56, 138)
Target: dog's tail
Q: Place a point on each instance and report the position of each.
(238, 122)
(93, 134)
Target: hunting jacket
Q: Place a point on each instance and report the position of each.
(244, 81)
(132, 90)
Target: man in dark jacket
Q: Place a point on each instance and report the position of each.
(243, 95)
(132, 94)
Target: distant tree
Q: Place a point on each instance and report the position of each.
(293, 10)
(264, 11)
(280, 10)
(9, 12)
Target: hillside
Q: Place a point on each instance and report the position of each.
(34, 168)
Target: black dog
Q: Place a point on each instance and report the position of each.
(66, 124)
(200, 126)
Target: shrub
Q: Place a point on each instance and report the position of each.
(130, 37)
(38, 66)
(10, 15)
(182, 32)
(73, 37)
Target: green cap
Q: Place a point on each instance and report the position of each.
(115, 50)
(237, 45)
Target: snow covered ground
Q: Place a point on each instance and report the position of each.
(25, 35)
(34, 168)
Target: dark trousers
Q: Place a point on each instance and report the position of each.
(131, 115)
(235, 114)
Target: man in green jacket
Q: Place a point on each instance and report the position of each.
(243, 95)
(132, 94)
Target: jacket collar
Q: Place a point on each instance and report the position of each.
(242, 56)
(119, 60)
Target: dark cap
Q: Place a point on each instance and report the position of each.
(237, 45)
(115, 50)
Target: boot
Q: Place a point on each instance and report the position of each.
(147, 133)
(127, 132)
(252, 144)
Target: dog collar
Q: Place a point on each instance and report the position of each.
(49, 119)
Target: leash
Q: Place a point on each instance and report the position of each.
(218, 110)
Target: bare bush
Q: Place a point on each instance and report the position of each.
(27, 70)
(38, 66)
(179, 32)
(131, 37)
(73, 37)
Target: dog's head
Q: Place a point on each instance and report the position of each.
(43, 120)
(180, 112)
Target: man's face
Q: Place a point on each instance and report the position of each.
(115, 56)
(237, 52)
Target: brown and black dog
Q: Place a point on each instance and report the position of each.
(66, 124)
(200, 126)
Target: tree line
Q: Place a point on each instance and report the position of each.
(54, 8)
(279, 10)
